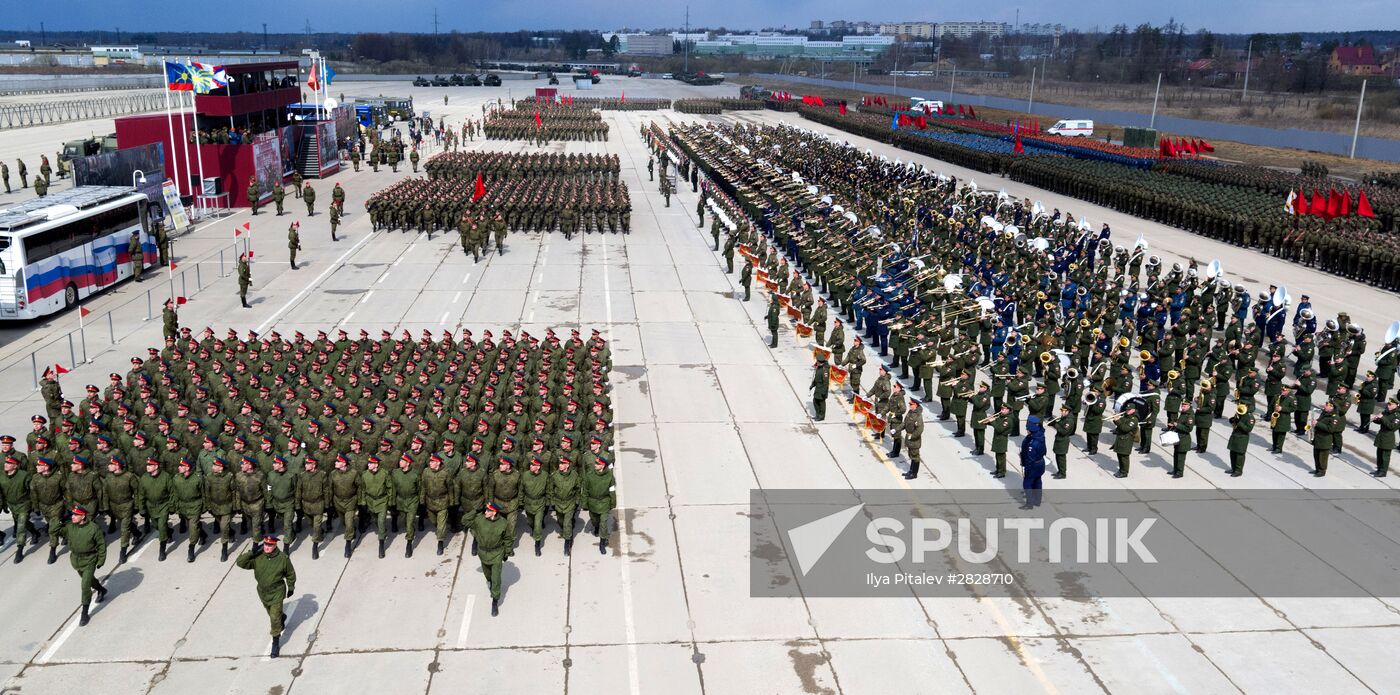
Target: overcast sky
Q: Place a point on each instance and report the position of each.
(1235, 16)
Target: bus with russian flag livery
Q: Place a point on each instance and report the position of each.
(59, 249)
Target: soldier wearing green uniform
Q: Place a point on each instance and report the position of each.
(376, 494)
(14, 497)
(308, 196)
(774, 311)
(439, 492)
(46, 497)
(220, 498)
(534, 494)
(746, 281)
(1001, 431)
(335, 221)
(312, 496)
(245, 278)
(405, 482)
(1182, 422)
(282, 499)
(598, 495)
(253, 194)
(251, 487)
(912, 431)
(293, 244)
(87, 551)
(1064, 426)
(564, 494)
(345, 497)
(1388, 422)
(471, 491)
(134, 255)
(1124, 433)
(276, 580)
(498, 227)
(821, 375)
(278, 195)
(492, 535)
(1324, 433)
(187, 491)
(155, 497)
(1242, 424)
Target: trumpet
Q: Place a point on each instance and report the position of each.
(966, 394)
(989, 418)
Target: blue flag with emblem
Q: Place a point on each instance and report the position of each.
(177, 77)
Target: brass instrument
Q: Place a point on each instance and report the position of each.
(966, 394)
(988, 419)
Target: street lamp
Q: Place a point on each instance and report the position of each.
(137, 176)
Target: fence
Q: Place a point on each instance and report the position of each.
(45, 113)
(40, 83)
(1291, 138)
(105, 331)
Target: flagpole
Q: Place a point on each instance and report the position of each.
(198, 153)
(170, 125)
(193, 130)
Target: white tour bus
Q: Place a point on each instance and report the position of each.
(66, 246)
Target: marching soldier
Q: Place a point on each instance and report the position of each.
(221, 499)
(46, 497)
(439, 492)
(154, 497)
(276, 580)
(345, 497)
(282, 499)
(534, 493)
(15, 496)
(251, 487)
(313, 493)
(187, 491)
(335, 221)
(492, 538)
(296, 183)
(87, 552)
(376, 494)
(599, 497)
(405, 483)
(565, 492)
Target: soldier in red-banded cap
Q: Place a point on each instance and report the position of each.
(155, 496)
(377, 495)
(405, 483)
(87, 551)
(276, 580)
(493, 535)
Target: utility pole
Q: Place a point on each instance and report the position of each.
(1030, 103)
(1153, 123)
(435, 22)
(43, 35)
(1356, 131)
(953, 83)
(685, 43)
(895, 71)
(1248, 60)
(264, 36)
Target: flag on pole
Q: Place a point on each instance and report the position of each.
(1288, 205)
(1363, 206)
(180, 300)
(894, 122)
(83, 311)
(1018, 149)
(177, 77)
(480, 189)
(311, 80)
(1319, 204)
(1345, 207)
(624, 97)
(59, 369)
(538, 122)
(206, 78)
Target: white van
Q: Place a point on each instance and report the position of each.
(925, 105)
(1079, 129)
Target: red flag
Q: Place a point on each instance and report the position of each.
(58, 368)
(842, 106)
(1319, 205)
(1018, 149)
(538, 123)
(1300, 206)
(480, 188)
(1363, 206)
(923, 123)
(960, 109)
(1190, 148)
(1334, 203)
(971, 111)
(624, 97)
(83, 311)
(1205, 147)
(1345, 209)
(311, 80)
(180, 300)
(173, 266)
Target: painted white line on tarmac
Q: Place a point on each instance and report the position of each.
(348, 317)
(466, 277)
(457, 296)
(152, 538)
(296, 298)
(466, 621)
(367, 296)
(443, 320)
(62, 637)
(628, 621)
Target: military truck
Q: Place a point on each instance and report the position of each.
(74, 149)
(491, 80)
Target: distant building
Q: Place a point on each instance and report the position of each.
(1354, 60)
(115, 55)
(1041, 29)
(817, 25)
(768, 45)
(645, 44)
(837, 24)
(918, 30)
(966, 30)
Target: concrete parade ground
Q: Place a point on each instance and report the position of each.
(705, 413)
